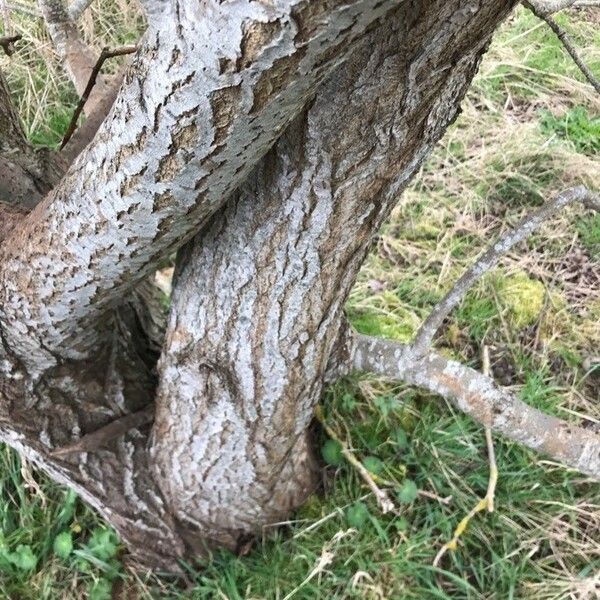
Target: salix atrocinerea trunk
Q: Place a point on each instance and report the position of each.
(259, 296)
(229, 449)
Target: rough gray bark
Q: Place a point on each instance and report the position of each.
(259, 296)
(477, 396)
(257, 325)
(210, 90)
(50, 274)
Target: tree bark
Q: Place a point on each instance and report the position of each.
(258, 299)
(210, 90)
(257, 309)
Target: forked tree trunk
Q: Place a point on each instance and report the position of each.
(258, 304)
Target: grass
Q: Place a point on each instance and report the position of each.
(529, 128)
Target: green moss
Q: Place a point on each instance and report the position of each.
(522, 297)
(311, 509)
(399, 327)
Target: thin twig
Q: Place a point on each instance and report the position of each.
(491, 257)
(565, 39)
(104, 55)
(432, 496)
(381, 496)
(493, 479)
(7, 43)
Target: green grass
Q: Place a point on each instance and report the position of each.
(576, 126)
(528, 129)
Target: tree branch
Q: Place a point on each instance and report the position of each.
(549, 7)
(491, 257)
(565, 39)
(78, 7)
(257, 304)
(479, 397)
(167, 160)
(104, 55)
(78, 58)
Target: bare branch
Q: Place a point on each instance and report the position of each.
(78, 7)
(565, 39)
(479, 397)
(549, 7)
(79, 59)
(85, 133)
(491, 257)
(104, 55)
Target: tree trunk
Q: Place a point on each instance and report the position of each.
(259, 296)
(257, 311)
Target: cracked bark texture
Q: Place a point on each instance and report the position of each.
(208, 93)
(204, 100)
(258, 300)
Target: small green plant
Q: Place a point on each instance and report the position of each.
(408, 492)
(357, 515)
(332, 453)
(100, 590)
(103, 544)
(399, 437)
(373, 464)
(23, 558)
(63, 544)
